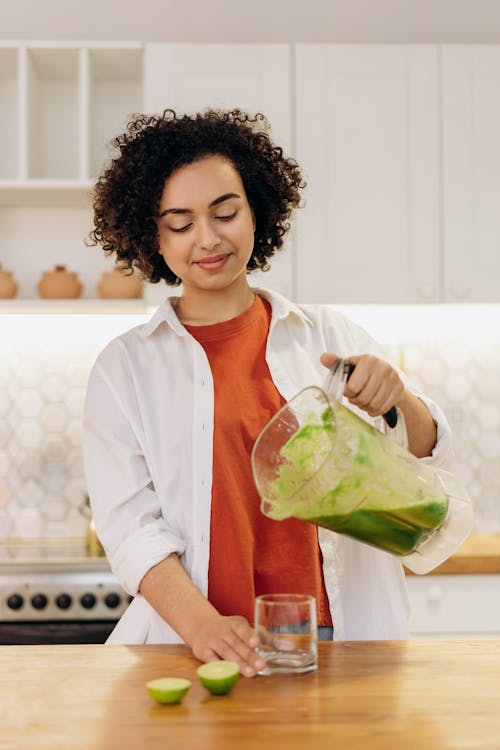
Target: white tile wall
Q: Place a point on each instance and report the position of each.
(464, 378)
(44, 366)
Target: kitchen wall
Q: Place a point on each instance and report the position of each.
(451, 352)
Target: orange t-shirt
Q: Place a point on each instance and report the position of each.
(250, 554)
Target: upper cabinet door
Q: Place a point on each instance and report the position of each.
(367, 139)
(253, 77)
(471, 172)
(193, 77)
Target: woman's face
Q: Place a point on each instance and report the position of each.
(205, 225)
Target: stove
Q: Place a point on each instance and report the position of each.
(57, 593)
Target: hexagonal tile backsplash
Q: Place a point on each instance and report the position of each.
(464, 378)
(44, 365)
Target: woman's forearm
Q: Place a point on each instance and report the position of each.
(420, 426)
(170, 591)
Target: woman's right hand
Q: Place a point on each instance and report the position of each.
(229, 638)
(170, 591)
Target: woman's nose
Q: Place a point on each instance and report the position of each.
(207, 236)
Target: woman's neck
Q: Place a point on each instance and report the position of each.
(205, 307)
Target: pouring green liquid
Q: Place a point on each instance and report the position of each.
(371, 496)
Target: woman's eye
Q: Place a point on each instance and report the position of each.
(180, 229)
(227, 217)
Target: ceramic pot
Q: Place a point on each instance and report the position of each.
(116, 284)
(59, 284)
(8, 285)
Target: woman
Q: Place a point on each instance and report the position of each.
(174, 406)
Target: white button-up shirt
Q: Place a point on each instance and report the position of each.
(148, 429)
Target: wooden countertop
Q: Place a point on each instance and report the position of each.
(480, 553)
(381, 695)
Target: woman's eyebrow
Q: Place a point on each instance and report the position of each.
(215, 202)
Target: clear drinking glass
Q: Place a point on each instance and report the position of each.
(285, 625)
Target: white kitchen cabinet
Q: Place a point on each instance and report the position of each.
(367, 139)
(253, 77)
(193, 77)
(114, 91)
(9, 107)
(61, 105)
(471, 172)
(454, 606)
(399, 145)
(62, 102)
(50, 121)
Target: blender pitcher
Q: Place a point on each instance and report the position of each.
(318, 461)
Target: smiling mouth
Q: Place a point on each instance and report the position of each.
(213, 262)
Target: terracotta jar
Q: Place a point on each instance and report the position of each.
(116, 284)
(8, 285)
(59, 284)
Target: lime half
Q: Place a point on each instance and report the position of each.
(218, 676)
(168, 689)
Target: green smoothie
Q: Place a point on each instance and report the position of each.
(371, 497)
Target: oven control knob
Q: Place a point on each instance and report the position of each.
(15, 601)
(64, 601)
(112, 600)
(39, 601)
(87, 601)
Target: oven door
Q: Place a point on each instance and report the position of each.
(58, 600)
(55, 631)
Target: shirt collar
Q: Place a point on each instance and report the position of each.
(165, 313)
(281, 307)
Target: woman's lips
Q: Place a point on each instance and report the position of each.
(213, 263)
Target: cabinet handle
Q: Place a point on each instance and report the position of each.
(460, 291)
(434, 594)
(426, 291)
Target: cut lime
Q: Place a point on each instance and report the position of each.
(218, 676)
(168, 689)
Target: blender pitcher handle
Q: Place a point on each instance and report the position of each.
(337, 377)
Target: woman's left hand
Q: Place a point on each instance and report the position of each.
(374, 384)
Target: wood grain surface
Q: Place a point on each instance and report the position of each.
(381, 695)
(479, 554)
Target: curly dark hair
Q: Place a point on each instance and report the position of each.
(128, 193)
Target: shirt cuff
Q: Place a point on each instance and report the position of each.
(138, 553)
(441, 452)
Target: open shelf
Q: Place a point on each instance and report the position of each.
(53, 117)
(75, 306)
(62, 104)
(115, 93)
(45, 192)
(9, 107)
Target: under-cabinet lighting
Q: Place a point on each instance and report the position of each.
(395, 324)
(390, 324)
